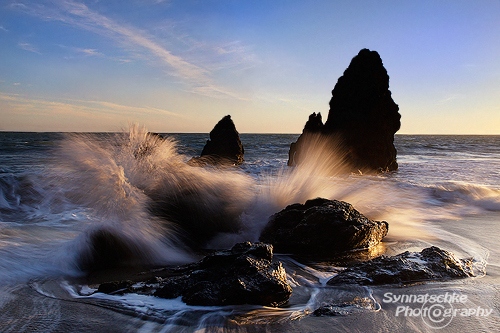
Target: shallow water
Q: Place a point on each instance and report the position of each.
(57, 188)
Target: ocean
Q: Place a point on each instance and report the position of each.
(55, 188)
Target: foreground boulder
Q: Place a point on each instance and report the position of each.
(322, 227)
(243, 275)
(224, 145)
(432, 264)
(362, 119)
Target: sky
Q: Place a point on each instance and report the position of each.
(178, 66)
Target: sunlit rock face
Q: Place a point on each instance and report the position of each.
(362, 119)
(322, 227)
(431, 264)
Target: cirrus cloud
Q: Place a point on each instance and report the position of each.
(197, 77)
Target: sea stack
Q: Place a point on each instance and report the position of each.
(362, 119)
(224, 145)
(311, 133)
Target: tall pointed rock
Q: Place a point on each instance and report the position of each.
(362, 119)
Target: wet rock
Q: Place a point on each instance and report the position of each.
(223, 147)
(356, 305)
(362, 119)
(331, 311)
(197, 212)
(244, 274)
(431, 264)
(322, 227)
(115, 287)
(104, 249)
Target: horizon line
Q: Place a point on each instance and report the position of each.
(252, 133)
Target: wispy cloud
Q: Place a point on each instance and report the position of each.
(449, 98)
(89, 52)
(233, 56)
(215, 56)
(120, 109)
(28, 47)
(26, 104)
(2, 28)
(136, 41)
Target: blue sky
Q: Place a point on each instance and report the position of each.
(181, 65)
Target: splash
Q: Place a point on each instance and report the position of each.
(324, 172)
(145, 199)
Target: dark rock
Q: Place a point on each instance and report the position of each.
(314, 124)
(362, 120)
(331, 311)
(224, 145)
(322, 227)
(115, 287)
(356, 305)
(197, 214)
(364, 114)
(409, 267)
(243, 275)
(312, 129)
(104, 249)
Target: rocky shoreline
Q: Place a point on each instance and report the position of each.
(248, 273)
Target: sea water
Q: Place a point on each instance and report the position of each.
(57, 188)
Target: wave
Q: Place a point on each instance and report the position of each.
(18, 193)
(144, 196)
(471, 197)
(9, 199)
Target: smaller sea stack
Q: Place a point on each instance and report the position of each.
(224, 145)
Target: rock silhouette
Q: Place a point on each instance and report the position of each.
(311, 132)
(223, 147)
(362, 119)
